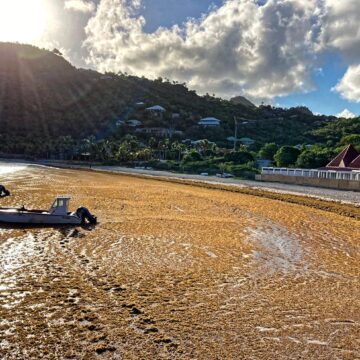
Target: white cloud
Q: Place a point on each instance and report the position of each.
(340, 32)
(340, 29)
(238, 48)
(80, 5)
(349, 85)
(346, 114)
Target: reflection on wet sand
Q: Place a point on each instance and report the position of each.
(10, 168)
(175, 271)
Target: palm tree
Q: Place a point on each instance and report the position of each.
(179, 148)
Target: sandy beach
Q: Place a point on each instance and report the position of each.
(174, 271)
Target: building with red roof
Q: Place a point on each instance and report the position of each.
(347, 160)
(343, 172)
(355, 164)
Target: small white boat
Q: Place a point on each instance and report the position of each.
(58, 214)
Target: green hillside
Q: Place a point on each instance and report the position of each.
(50, 108)
(44, 95)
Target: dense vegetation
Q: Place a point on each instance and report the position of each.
(50, 109)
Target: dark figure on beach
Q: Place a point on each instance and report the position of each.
(3, 191)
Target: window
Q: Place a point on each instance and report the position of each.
(58, 203)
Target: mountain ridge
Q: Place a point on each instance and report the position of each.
(44, 97)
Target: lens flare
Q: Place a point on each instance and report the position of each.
(22, 20)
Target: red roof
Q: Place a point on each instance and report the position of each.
(344, 160)
(355, 164)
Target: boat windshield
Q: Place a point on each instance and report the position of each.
(59, 206)
(58, 203)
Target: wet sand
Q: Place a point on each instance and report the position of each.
(174, 271)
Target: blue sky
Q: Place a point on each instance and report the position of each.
(323, 99)
(170, 12)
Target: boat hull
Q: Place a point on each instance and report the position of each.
(24, 217)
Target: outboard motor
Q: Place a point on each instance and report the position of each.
(3, 191)
(85, 215)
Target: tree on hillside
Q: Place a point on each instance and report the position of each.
(192, 155)
(286, 156)
(205, 147)
(124, 154)
(179, 149)
(314, 158)
(268, 151)
(239, 157)
(57, 52)
(153, 143)
(336, 130)
(88, 145)
(353, 139)
(143, 154)
(131, 142)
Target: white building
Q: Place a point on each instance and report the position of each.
(353, 175)
(156, 108)
(232, 138)
(134, 123)
(120, 123)
(199, 142)
(209, 121)
(158, 131)
(247, 141)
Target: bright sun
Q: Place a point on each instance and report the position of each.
(22, 20)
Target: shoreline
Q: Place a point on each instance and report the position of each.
(347, 209)
(333, 206)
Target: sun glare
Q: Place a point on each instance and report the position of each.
(22, 20)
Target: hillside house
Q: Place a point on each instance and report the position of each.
(120, 123)
(343, 172)
(300, 146)
(200, 142)
(247, 141)
(232, 139)
(158, 131)
(209, 122)
(156, 109)
(133, 123)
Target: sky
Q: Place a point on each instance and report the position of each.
(280, 52)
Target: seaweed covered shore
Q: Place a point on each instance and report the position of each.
(178, 270)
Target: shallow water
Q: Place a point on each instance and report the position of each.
(175, 272)
(10, 168)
